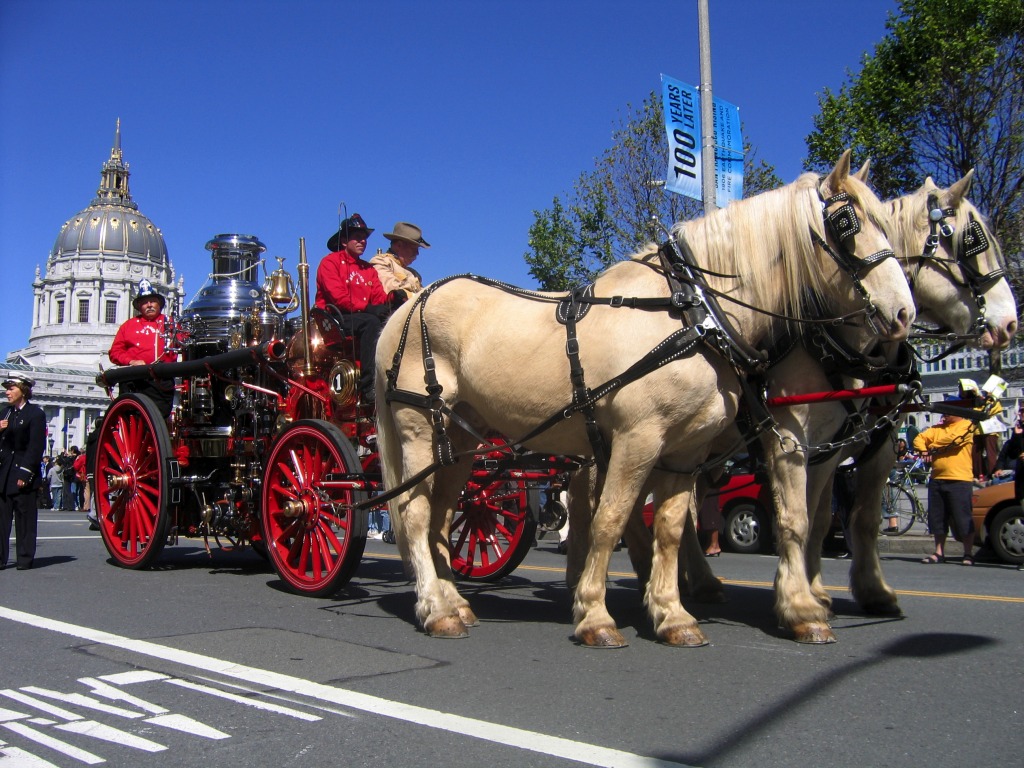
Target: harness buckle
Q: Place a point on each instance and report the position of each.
(572, 347)
(616, 301)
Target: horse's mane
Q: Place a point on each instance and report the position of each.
(765, 241)
(908, 216)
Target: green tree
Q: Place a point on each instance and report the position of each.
(609, 214)
(942, 93)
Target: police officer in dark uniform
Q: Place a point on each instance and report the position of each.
(22, 441)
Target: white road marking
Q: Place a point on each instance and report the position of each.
(114, 735)
(55, 744)
(10, 714)
(81, 700)
(31, 701)
(517, 738)
(244, 700)
(19, 758)
(189, 726)
(116, 694)
(128, 678)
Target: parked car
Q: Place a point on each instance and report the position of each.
(999, 519)
(748, 513)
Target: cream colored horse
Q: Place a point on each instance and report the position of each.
(944, 296)
(500, 363)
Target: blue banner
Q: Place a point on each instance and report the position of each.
(728, 153)
(681, 104)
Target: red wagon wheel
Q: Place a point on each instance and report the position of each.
(314, 538)
(132, 481)
(493, 529)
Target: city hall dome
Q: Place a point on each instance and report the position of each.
(112, 224)
(100, 256)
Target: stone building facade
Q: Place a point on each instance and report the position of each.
(85, 293)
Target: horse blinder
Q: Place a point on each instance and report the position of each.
(843, 221)
(973, 239)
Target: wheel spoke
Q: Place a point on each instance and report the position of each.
(312, 553)
(131, 484)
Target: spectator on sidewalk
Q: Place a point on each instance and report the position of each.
(65, 463)
(55, 479)
(950, 445)
(45, 500)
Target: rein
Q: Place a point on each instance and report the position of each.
(690, 296)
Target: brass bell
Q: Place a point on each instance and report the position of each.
(280, 290)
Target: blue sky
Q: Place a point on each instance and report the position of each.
(261, 117)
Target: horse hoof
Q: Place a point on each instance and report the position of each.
(449, 627)
(683, 637)
(601, 638)
(468, 617)
(814, 634)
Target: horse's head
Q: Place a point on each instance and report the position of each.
(855, 237)
(954, 263)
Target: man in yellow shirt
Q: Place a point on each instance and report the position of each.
(950, 445)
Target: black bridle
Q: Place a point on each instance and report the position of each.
(843, 225)
(971, 243)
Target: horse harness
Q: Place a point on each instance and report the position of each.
(690, 298)
(972, 242)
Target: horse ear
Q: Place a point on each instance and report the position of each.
(864, 171)
(958, 191)
(836, 180)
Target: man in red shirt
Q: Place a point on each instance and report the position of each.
(140, 341)
(352, 287)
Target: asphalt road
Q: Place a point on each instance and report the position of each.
(208, 661)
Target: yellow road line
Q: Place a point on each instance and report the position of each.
(769, 585)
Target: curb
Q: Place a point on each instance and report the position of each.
(919, 544)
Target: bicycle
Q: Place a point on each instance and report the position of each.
(900, 505)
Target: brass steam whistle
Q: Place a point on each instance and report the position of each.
(304, 300)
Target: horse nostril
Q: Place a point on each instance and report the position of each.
(904, 318)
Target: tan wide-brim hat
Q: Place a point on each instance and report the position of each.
(403, 230)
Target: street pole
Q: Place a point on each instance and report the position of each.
(707, 115)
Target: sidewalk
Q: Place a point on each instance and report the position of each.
(916, 541)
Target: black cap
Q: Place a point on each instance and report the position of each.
(352, 223)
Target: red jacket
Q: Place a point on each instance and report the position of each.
(140, 339)
(348, 283)
(79, 466)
